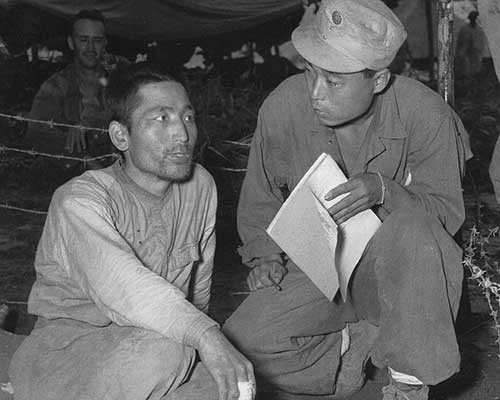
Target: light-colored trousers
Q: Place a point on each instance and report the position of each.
(67, 359)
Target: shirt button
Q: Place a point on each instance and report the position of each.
(331, 142)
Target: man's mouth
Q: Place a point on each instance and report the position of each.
(179, 156)
(319, 111)
(318, 108)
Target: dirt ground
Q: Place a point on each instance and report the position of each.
(479, 377)
(31, 183)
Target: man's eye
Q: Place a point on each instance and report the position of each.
(334, 83)
(189, 118)
(162, 118)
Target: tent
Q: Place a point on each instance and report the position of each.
(168, 20)
(173, 19)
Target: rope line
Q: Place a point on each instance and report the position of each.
(51, 123)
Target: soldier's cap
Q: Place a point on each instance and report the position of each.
(350, 36)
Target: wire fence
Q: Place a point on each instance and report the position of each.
(51, 123)
(58, 156)
(84, 160)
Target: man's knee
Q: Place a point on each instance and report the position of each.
(158, 358)
(411, 222)
(238, 332)
(408, 235)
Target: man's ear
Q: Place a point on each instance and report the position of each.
(71, 45)
(381, 79)
(119, 135)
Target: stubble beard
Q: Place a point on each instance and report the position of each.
(176, 171)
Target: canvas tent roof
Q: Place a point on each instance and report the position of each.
(166, 20)
(174, 19)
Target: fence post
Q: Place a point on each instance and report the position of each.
(445, 51)
(430, 37)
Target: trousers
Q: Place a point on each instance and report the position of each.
(407, 283)
(67, 359)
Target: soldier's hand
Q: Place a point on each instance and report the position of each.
(75, 141)
(269, 273)
(226, 364)
(365, 191)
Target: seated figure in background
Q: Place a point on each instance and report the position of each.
(75, 96)
(124, 266)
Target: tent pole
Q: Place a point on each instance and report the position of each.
(445, 51)
(430, 37)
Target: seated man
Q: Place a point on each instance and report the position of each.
(74, 96)
(124, 265)
(402, 148)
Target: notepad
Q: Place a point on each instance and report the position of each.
(305, 231)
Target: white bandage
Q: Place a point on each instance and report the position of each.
(403, 378)
(346, 341)
(247, 390)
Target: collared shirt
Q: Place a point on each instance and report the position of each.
(113, 252)
(66, 98)
(415, 139)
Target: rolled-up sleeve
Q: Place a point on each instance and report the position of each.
(260, 197)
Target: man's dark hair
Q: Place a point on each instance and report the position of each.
(93, 15)
(121, 92)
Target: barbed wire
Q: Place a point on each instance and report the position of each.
(16, 302)
(230, 169)
(39, 212)
(51, 123)
(25, 210)
(58, 156)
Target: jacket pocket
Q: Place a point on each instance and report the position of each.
(180, 266)
(181, 258)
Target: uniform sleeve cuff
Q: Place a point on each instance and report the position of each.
(197, 329)
(252, 251)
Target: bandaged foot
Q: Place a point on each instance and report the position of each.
(404, 387)
(403, 378)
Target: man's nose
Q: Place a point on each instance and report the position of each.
(90, 45)
(317, 89)
(181, 133)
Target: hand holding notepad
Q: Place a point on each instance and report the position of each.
(306, 232)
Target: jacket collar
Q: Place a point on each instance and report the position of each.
(385, 129)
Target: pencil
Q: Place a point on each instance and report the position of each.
(275, 284)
